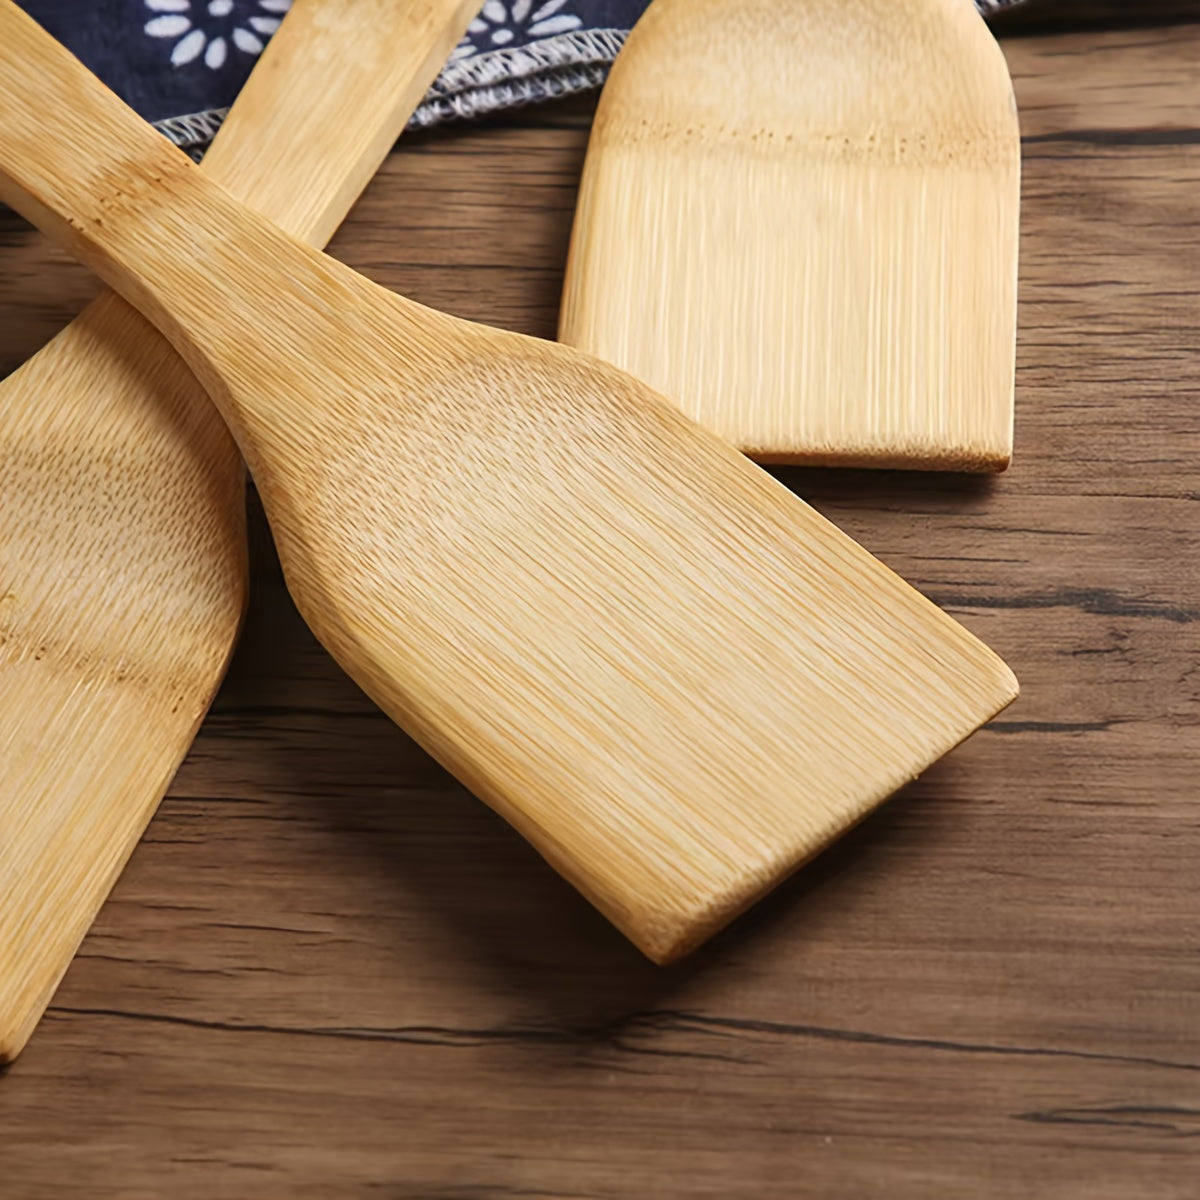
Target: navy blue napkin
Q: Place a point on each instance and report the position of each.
(180, 63)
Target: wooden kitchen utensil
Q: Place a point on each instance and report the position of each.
(799, 220)
(122, 542)
(676, 679)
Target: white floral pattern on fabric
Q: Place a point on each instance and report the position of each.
(501, 21)
(516, 52)
(206, 29)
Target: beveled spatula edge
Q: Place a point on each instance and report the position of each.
(669, 939)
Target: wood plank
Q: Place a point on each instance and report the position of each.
(330, 972)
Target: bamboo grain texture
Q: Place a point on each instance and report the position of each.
(329, 972)
(122, 549)
(668, 673)
(800, 220)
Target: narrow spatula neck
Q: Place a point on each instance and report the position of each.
(81, 166)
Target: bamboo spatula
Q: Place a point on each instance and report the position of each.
(799, 219)
(122, 545)
(676, 679)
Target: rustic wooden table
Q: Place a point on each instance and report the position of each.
(330, 972)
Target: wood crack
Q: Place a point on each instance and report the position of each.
(824, 1033)
(1052, 726)
(616, 1034)
(1165, 1118)
(1097, 601)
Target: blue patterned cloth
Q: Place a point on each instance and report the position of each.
(180, 63)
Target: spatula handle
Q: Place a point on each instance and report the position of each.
(79, 164)
(332, 91)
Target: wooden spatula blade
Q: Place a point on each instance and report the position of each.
(800, 221)
(675, 679)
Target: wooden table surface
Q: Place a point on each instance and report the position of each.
(330, 972)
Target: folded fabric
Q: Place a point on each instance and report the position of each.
(180, 63)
